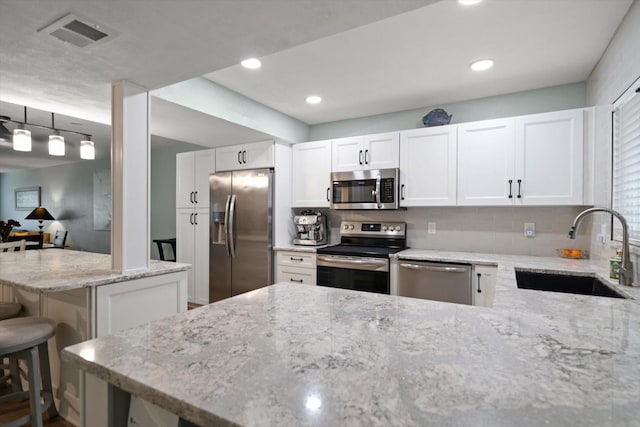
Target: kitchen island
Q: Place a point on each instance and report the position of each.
(87, 300)
(302, 355)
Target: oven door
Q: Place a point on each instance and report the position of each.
(353, 272)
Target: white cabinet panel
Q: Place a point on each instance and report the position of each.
(484, 285)
(549, 158)
(311, 168)
(229, 158)
(185, 248)
(245, 156)
(205, 164)
(184, 180)
(192, 178)
(428, 167)
(382, 151)
(486, 163)
(347, 154)
(201, 256)
(298, 267)
(379, 151)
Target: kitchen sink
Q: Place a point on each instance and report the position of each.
(584, 285)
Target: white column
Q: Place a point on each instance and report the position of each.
(130, 154)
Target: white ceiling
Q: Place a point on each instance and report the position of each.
(363, 56)
(421, 58)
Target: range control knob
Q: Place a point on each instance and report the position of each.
(346, 226)
(351, 227)
(384, 228)
(397, 228)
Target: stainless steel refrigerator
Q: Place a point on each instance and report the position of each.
(240, 256)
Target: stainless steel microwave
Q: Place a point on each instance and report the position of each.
(366, 189)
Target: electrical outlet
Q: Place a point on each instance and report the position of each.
(529, 229)
(431, 228)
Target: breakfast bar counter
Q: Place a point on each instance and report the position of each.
(86, 299)
(292, 354)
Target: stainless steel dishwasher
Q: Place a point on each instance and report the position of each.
(435, 281)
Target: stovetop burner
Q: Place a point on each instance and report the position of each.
(377, 240)
(371, 251)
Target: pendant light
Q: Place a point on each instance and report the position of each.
(22, 136)
(56, 141)
(87, 149)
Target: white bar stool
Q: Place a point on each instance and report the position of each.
(26, 338)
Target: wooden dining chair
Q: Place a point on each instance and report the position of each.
(13, 246)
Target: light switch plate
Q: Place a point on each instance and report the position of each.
(530, 229)
(431, 228)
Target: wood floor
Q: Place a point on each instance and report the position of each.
(11, 410)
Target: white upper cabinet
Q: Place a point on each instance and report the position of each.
(486, 162)
(428, 167)
(192, 178)
(311, 168)
(380, 151)
(549, 159)
(255, 155)
(528, 160)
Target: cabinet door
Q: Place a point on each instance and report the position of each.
(382, 151)
(185, 246)
(484, 285)
(486, 163)
(201, 257)
(229, 158)
(258, 155)
(428, 167)
(347, 154)
(311, 180)
(205, 164)
(184, 180)
(549, 158)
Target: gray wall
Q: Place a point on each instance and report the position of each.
(514, 104)
(67, 193)
(618, 68)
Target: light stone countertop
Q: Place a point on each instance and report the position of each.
(300, 248)
(57, 270)
(294, 354)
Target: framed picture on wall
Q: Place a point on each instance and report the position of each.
(27, 198)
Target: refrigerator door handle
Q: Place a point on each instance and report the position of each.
(231, 223)
(226, 225)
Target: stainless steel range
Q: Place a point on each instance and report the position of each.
(361, 260)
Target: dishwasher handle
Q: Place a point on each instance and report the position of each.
(433, 268)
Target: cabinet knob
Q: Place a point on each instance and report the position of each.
(366, 157)
(519, 189)
(479, 290)
(294, 280)
(239, 157)
(511, 189)
(360, 157)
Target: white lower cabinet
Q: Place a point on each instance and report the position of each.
(484, 284)
(192, 247)
(296, 267)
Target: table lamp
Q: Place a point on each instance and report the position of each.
(41, 214)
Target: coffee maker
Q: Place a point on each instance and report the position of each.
(311, 228)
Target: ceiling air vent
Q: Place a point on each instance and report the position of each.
(78, 31)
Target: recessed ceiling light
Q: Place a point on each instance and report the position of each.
(251, 63)
(482, 64)
(469, 2)
(314, 99)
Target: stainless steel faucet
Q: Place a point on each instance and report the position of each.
(626, 269)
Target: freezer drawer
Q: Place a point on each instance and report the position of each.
(435, 281)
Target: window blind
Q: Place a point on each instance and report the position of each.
(626, 162)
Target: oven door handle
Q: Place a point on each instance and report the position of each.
(433, 268)
(373, 264)
(378, 201)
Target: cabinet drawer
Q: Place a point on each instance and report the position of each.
(299, 259)
(306, 276)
